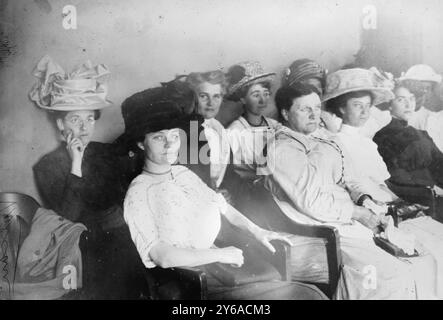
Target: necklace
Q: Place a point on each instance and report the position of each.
(263, 122)
(157, 174)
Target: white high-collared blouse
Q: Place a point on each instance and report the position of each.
(365, 163)
(177, 209)
(248, 144)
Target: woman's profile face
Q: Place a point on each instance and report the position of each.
(403, 106)
(162, 147)
(356, 111)
(80, 124)
(210, 98)
(304, 114)
(256, 99)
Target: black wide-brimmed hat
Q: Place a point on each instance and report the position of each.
(155, 116)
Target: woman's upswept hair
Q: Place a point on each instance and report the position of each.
(194, 79)
(243, 91)
(416, 87)
(285, 96)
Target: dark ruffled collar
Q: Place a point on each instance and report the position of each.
(398, 123)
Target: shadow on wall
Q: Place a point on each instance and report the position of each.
(7, 46)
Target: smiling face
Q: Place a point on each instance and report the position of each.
(356, 111)
(161, 147)
(304, 114)
(403, 106)
(210, 98)
(256, 99)
(80, 123)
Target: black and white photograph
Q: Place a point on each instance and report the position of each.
(241, 152)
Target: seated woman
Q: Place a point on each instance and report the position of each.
(209, 89)
(366, 164)
(174, 217)
(353, 104)
(307, 71)
(421, 80)
(411, 156)
(130, 158)
(309, 182)
(248, 135)
(80, 179)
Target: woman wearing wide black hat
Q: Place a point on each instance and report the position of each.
(174, 217)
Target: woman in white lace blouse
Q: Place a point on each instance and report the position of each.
(174, 217)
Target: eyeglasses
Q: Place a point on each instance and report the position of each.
(77, 122)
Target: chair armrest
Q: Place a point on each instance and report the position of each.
(413, 190)
(280, 259)
(333, 252)
(195, 280)
(421, 194)
(188, 283)
(233, 236)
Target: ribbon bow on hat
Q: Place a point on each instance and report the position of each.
(383, 79)
(79, 90)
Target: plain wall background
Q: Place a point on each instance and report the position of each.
(144, 42)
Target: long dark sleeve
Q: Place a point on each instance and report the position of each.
(407, 153)
(83, 198)
(59, 192)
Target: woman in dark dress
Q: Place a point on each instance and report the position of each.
(80, 180)
(411, 155)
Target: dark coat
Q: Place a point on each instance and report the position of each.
(411, 155)
(112, 267)
(84, 199)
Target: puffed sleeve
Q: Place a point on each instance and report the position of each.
(303, 184)
(141, 222)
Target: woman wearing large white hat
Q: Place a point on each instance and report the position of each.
(420, 79)
(80, 179)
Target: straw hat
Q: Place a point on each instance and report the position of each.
(351, 80)
(421, 72)
(81, 89)
(245, 74)
(303, 69)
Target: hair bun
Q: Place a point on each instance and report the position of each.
(236, 73)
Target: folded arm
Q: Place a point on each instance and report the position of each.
(167, 256)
